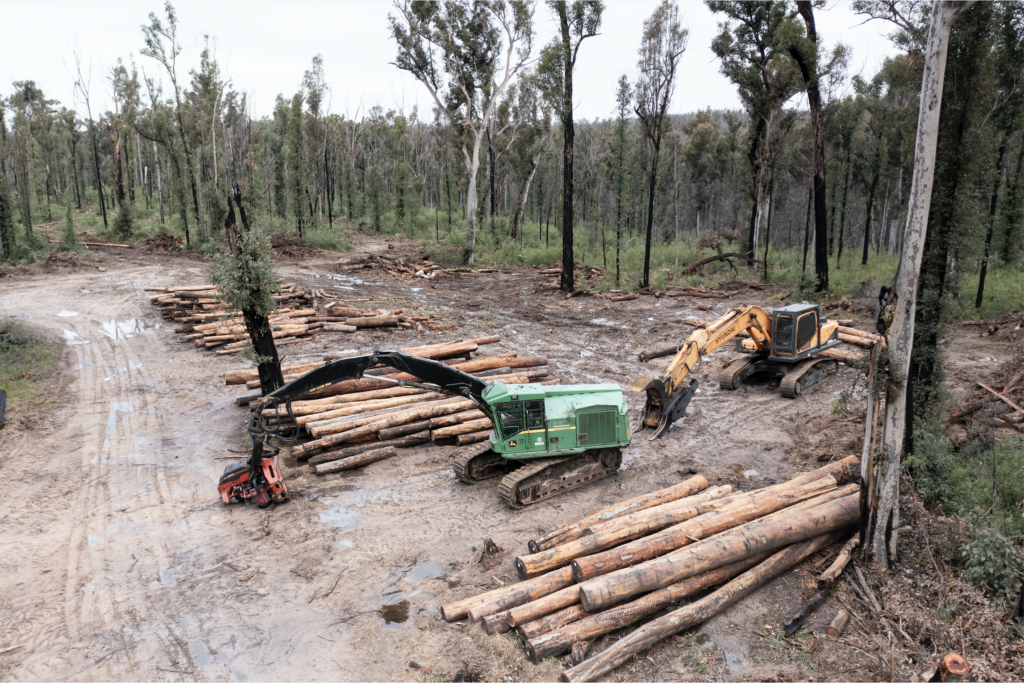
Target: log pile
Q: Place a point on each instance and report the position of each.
(202, 317)
(359, 421)
(615, 567)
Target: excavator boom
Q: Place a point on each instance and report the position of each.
(785, 340)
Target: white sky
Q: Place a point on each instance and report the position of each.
(264, 48)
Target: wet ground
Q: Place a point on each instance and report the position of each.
(120, 562)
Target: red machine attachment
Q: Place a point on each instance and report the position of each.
(263, 484)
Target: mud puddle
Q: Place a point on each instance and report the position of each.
(397, 604)
(125, 329)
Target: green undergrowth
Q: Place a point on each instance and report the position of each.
(26, 359)
(982, 482)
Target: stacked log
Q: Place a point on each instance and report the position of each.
(622, 564)
(354, 422)
(202, 317)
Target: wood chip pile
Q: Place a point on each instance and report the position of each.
(203, 318)
(419, 267)
(355, 422)
(613, 568)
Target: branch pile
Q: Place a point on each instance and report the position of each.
(420, 267)
(358, 421)
(611, 569)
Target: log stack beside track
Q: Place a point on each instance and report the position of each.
(613, 568)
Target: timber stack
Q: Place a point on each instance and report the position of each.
(202, 317)
(615, 567)
(359, 421)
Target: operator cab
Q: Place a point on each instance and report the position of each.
(795, 331)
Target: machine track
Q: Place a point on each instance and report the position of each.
(477, 462)
(732, 375)
(806, 373)
(547, 477)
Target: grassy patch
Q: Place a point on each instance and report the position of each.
(26, 359)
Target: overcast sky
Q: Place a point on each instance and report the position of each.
(264, 48)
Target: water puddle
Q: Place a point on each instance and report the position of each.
(741, 471)
(395, 611)
(424, 570)
(81, 366)
(344, 513)
(125, 329)
(73, 339)
(67, 314)
(396, 604)
(95, 539)
(167, 577)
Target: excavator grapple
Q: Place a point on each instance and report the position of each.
(787, 341)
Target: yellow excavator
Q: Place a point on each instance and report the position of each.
(786, 341)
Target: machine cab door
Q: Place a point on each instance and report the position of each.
(521, 426)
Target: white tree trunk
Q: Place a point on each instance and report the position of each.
(159, 182)
(472, 167)
(900, 333)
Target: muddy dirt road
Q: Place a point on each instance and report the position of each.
(119, 562)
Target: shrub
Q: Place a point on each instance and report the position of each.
(124, 224)
(68, 239)
(990, 559)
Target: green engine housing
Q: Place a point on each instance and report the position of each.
(537, 421)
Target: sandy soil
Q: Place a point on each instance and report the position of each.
(120, 563)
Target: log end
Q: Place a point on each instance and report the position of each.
(521, 569)
(534, 548)
(577, 572)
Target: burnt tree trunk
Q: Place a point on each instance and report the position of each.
(993, 204)
(867, 224)
(256, 324)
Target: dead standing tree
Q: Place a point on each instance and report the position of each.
(663, 43)
(246, 277)
(899, 313)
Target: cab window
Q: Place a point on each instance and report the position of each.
(510, 418)
(535, 414)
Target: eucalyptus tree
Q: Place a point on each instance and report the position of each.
(620, 170)
(661, 47)
(533, 136)
(753, 49)
(466, 55)
(577, 21)
(296, 166)
(155, 35)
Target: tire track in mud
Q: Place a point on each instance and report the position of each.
(117, 550)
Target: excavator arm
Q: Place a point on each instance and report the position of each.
(259, 478)
(668, 397)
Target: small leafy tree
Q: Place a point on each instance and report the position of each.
(124, 224)
(68, 239)
(246, 278)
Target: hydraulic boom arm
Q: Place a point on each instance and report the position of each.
(667, 397)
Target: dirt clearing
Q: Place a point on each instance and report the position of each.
(120, 562)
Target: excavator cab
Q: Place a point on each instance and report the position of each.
(795, 332)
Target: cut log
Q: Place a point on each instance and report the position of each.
(356, 461)
(854, 332)
(306, 414)
(525, 592)
(826, 578)
(342, 432)
(574, 529)
(839, 354)
(318, 426)
(725, 549)
(659, 352)
(403, 430)
(856, 341)
(403, 442)
(696, 612)
(456, 418)
(692, 531)
(835, 629)
(465, 428)
(339, 327)
(474, 437)
(454, 611)
(495, 623)
(551, 622)
(374, 321)
(591, 626)
(629, 529)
